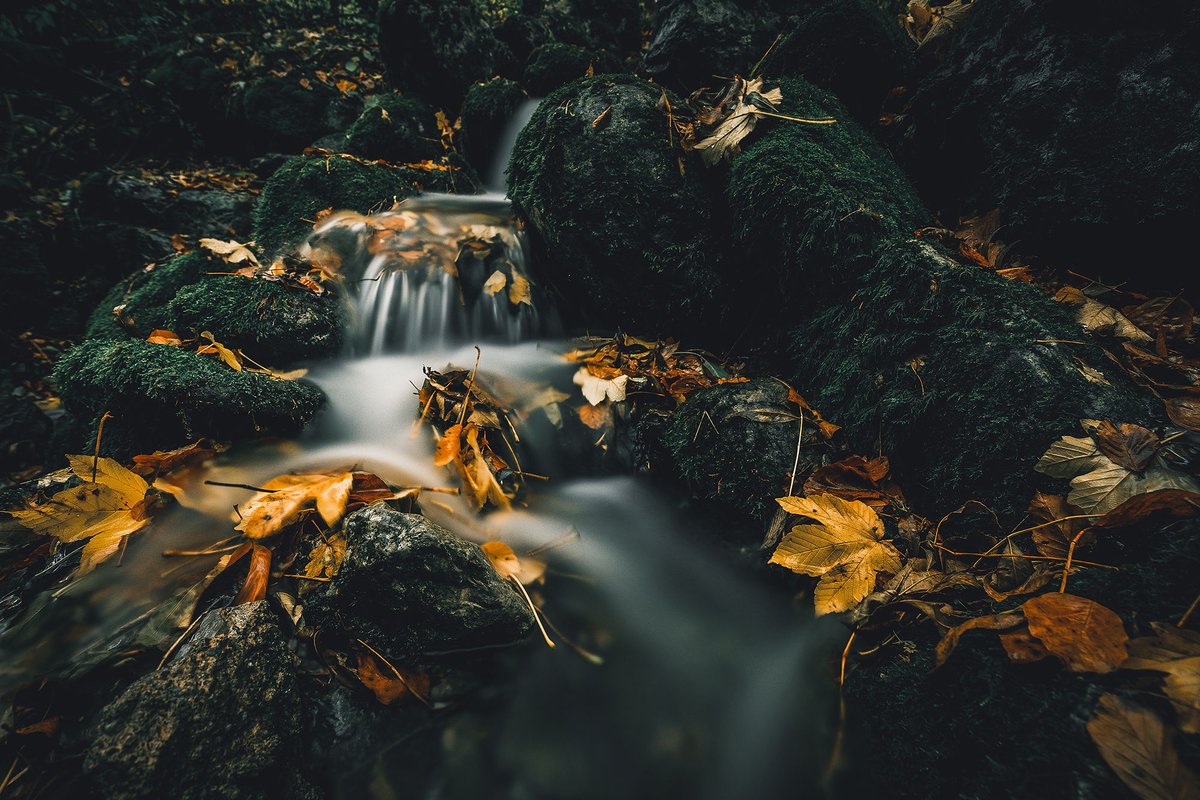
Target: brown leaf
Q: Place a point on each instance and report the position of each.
(991, 622)
(1137, 745)
(1175, 651)
(1184, 412)
(169, 338)
(449, 446)
(254, 588)
(853, 478)
(1084, 635)
(287, 497)
(1131, 446)
(164, 461)
(388, 684)
(595, 417)
(1022, 646)
(1054, 540)
(1163, 504)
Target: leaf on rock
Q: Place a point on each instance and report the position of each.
(518, 290)
(1095, 317)
(1137, 745)
(1176, 652)
(387, 683)
(290, 496)
(164, 461)
(1070, 456)
(1084, 635)
(169, 338)
(853, 478)
(325, 559)
(230, 252)
(1184, 412)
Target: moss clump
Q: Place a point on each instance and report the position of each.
(146, 295)
(486, 112)
(273, 323)
(848, 47)
(736, 443)
(396, 129)
(436, 49)
(307, 184)
(937, 365)
(280, 114)
(554, 64)
(625, 232)
(695, 40)
(810, 202)
(162, 397)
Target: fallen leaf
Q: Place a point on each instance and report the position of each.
(1095, 317)
(495, 282)
(325, 559)
(289, 496)
(254, 588)
(508, 565)
(1110, 485)
(1084, 635)
(1054, 540)
(596, 390)
(991, 622)
(386, 683)
(1130, 446)
(163, 461)
(230, 252)
(1184, 412)
(1176, 652)
(1022, 646)
(169, 338)
(518, 290)
(853, 478)
(1070, 456)
(228, 356)
(448, 446)
(1159, 504)
(1137, 745)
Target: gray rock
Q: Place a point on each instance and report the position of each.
(408, 586)
(220, 720)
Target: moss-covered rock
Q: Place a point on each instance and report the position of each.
(849, 47)
(146, 294)
(394, 128)
(162, 397)
(486, 112)
(624, 230)
(436, 48)
(694, 40)
(280, 114)
(517, 36)
(555, 64)
(939, 366)
(809, 203)
(736, 443)
(307, 184)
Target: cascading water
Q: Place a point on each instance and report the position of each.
(709, 688)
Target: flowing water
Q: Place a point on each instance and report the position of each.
(710, 688)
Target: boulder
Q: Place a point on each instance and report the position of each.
(1041, 108)
(163, 397)
(436, 49)
(554, 64)
(486, 112)
(409, 587)
(279, 113)
(626, 228)
(517, 36)
(394, 128)
(220, 720)
(694, 40)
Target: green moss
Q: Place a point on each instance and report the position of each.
(394, 128)
(273, 323)
(624, 228)
(937, 365)
(736, 443)
(146, 294)
(486, 112)
(282, 115)
(162, 397)
(307, 184)
(810, 202)
(554, 64)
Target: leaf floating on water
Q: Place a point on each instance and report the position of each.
(1137, 745)
(495, 282)
(290, 496)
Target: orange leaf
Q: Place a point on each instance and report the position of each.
(449, 446)
(1084, 635)
(254, 588)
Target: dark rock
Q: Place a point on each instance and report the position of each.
(848, 47)
(694, 40)
(486, 113)
(517, 36)
(24, 429)
(597, 24)
(436, 49)
(625, 230)
(221, 720)
(736, 443)
(1042, 109)
(131, 199)
(552, 65)
(26, 294)
(162, 397)
(396, 129)
(408, 587)
(280, 113)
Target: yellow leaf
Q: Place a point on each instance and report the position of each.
(1176, 652)
(518, 292)
(844, 587)
(131, 486)
(495, 283)
(230, 252)
(507, 565)
(325, 559)
(228, 356)
(289, 496)
(448, 446)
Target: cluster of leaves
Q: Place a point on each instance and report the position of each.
(931, 25)
(313, 275)
(235, 359)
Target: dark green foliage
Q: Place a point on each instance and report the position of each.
(275, 324)
(146, 294)
(307, 184)
(736, 443)
(622, 233)
(848, 47)
(518, 35)
(935, 364)
(162, 397)
(486, 113)
(810, 202)
(436, 48)
(396, 129)
(555, 64)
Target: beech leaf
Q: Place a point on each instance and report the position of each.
(1137, 745)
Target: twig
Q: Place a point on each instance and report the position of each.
(236, 486)
(1057, 341)
(470, 386)
(178, 642)
(304, 577)
(1070, 555)
(824, 121)
(796, 462)
(1188, 614)
(536, 618)
(836, 755)
(766, 53)
(1021, 555)
(99, 433)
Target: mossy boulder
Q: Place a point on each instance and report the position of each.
(394, 128)
(486, 113)
(162, 397)
(625, 229)
(848, 47)
(554, 64)
(810, 203)
(694, 40)
(517, 36)
(436, 48)
(146, 294)
(280, 114)
(736, 443)
(953, 372)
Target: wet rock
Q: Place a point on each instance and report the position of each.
(694, 40)
(736, 443)
(436, 49)
(486, 113)
(848, 47)
(614, 25)
(625, 230)
(220, 720)
(162, 397)
(159, 203)
(280, 113)
(1041, 108)
(396, 129)
(408, 586)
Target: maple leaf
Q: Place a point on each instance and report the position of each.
(109, 505)
(325, 560)
(845, 549)
(1138, 746)
(288, 497)
(1176, 652)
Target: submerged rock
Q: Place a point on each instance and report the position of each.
(408, 586)
(162, 397)
(394, 128)
(221, 720)
(436, 48)
(624, 227)
(1079, 122)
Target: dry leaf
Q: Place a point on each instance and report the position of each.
(518, 290)
(289, 496)
(1022, 646)
(495, 282)
(228, 356)
(1175, 651)
(325, 559)
(169, 338)
(1095, 317)
(389, 684)
(1081, 633)
(853, 478)
(230, 252)
(508, 565)
(254, 588)
(596, 390)
(991, 622)
(448, 446)
(1135, 743)
(1130, 446)
(1161, 504)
